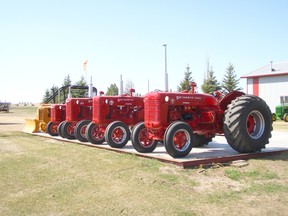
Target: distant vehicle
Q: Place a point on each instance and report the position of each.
(4, 106)
(281, 112)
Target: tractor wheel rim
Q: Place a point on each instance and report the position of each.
(181, 140)
(54, 128)
(97, 133)
(255, 124)
(119, 134)
(144, 138)
(83, 130)
(70, 129)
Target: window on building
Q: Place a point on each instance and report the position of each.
(284, 99)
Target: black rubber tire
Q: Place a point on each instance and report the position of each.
(59, 129)
(237, 123)
(91, 136)
(52, 129)
(80, 130)
(67, 130)
(285, 117)
(140, 145)
(201, 140)
(169, 136)
(115, 127)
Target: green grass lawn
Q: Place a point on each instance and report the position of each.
(41, 176)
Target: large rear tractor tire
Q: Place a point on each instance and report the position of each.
(247, 124)
(95, 134)
(67, 130)
(52, 129)
(179, 139)
(140, 139)
(80, 130)
(117, 134)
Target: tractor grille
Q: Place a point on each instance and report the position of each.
(152, 110)
(154, 115)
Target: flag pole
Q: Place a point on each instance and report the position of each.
(85, 69)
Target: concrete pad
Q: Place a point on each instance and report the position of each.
(217, 151)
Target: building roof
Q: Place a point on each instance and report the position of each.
(272, 69)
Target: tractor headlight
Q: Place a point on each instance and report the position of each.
(166, 98)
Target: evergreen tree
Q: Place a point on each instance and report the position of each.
(54, 91)
(46, 96)
(210, 82)
(80, 93)
(230, 81)
(112, 90)
(185, 83)
(64, 94)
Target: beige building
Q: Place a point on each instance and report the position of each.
(269, 82)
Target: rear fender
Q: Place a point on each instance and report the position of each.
(226, 100)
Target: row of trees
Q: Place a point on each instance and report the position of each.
(229, 83)
(79, 93)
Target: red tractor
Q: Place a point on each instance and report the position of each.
(185, 120)
(78, 116)
(112, 117)
(58, 114)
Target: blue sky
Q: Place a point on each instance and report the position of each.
(41, 42)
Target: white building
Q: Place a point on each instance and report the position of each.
(270, 83)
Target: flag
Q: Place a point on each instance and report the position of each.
(85, 65)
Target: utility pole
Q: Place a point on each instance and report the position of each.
(166, 74)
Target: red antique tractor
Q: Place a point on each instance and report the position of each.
(78, 116)
(58, 114)
(112, 117)
(185, 120)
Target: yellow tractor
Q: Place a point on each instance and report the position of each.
(41, 120)
(43, 112)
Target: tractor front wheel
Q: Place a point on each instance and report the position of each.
(274, 117)
(247, 124)
(68, 130)
(59, 129)
(52, 129)
(140, 139)
(95, 133)
(179, 139)
(285, 117)
(117, 134)
(80, 130)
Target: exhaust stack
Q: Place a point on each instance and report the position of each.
(121, 86)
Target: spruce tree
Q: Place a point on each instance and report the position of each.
(46, 96)
(210, 82)
(230, 81)
(54, 91)
(112, 90)
(80, 93)
(64, 94)
(185, 83)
